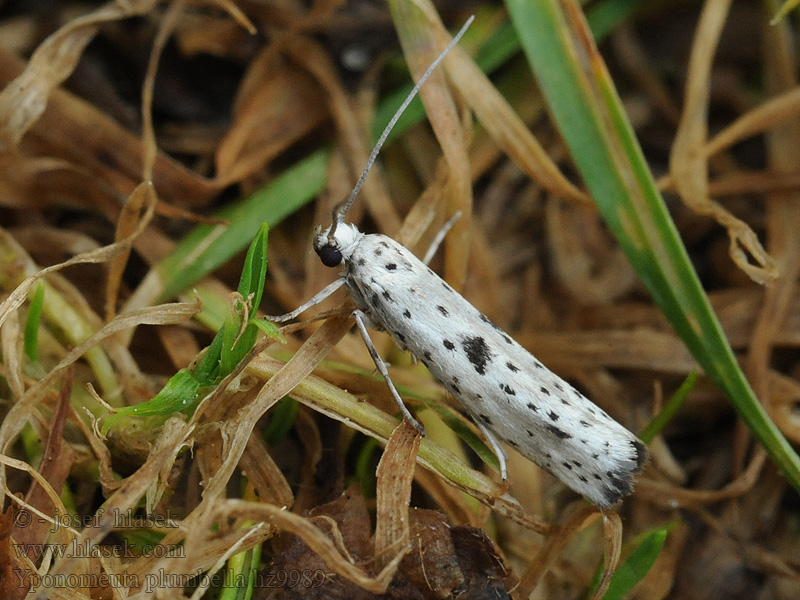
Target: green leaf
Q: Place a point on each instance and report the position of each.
(365, 472)
(254, 272)
(670, 409)
(268, 328)
(177, 395)
(207, 370)
(637, 565)
(32, 322)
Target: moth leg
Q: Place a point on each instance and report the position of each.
(498, 451)
(440, 237)
(318, 298)
(361, 318)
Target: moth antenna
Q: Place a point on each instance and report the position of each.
(340, 212)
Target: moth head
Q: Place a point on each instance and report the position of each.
(336, 243)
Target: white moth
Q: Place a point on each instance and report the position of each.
(507, 391)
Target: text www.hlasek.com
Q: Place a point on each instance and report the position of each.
(87, 549)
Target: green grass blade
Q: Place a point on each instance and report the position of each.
(589, 114)
(31, 343)
(670, 409)
(637, 565)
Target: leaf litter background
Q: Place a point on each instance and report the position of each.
(232, 109)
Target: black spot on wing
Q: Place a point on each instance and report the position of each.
(559, 433)
(477, 352)
(554, 416)
(508, 389)
(442, 310)
(485, 419)
(448, 344)
(512, 367)
(390, 266)
(533, 407)
(407, 314)
(362, 261)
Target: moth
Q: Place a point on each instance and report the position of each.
(508, 392)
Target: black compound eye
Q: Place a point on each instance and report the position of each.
(330, 256)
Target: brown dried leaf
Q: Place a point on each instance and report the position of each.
(57, 459)
(88, 141)
(432, 564)
(485, 573)
(285, 380)
(277, 105)
(588, 264)
(505, 127)
(24, 100)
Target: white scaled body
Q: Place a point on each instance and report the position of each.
(497, 380)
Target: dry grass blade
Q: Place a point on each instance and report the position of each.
(554, 544)
(395, 476)
(612, 530)
(423, 36)
(506, 128)
(99, 255)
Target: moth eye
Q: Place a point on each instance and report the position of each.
(330, 256)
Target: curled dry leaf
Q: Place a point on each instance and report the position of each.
(688, 163)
